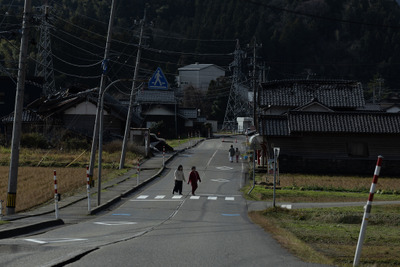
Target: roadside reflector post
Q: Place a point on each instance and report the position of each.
(276, 156)
(138, 173)
(1, 208)
(163, 156)
(56, 198)
(367, 211)
(88, 187)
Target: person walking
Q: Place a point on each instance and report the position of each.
(193, 178)
(231, 153)
(179, 179)
(237, 154)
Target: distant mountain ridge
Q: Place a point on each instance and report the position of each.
(346, 39)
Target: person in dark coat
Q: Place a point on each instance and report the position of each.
(193, 178)
(231, 153)
(237, 154)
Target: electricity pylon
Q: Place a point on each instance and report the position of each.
(238, 96)
(44, 63)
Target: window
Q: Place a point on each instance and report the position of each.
(357, 149)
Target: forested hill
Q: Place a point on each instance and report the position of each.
(330, 39)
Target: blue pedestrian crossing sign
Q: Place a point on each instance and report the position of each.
(158, 81)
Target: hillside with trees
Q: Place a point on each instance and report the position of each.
(314, 39)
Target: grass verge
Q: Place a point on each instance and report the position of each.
(329, 235)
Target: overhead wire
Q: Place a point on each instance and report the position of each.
(316, 16)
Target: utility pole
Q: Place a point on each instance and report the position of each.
(129, 116)
(19, 103)
(101, 89)
(44, 63)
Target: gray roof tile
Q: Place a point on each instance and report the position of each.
(27, 116)
(369, 123)
(294, 93)
(332, 122)
(156, 96)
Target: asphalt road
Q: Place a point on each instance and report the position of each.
(156, 228)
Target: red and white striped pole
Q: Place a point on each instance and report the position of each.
(55, 194)
(138, 172)
(163, 156)
(367, 211)
(88, 187)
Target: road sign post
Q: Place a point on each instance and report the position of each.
(158, 80)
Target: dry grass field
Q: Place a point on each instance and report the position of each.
(336, 183)
(35, 183)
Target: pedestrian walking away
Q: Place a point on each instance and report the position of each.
(193, 178)
(179, 179)
(231, 153)
(237, 154)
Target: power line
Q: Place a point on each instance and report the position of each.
(315, 16)
(77, 65)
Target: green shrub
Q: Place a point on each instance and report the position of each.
(75, 143)
(34, 140)
(114, 146)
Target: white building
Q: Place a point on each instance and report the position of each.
(244, 123)
(198, 75)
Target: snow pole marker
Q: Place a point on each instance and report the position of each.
(367, 211)
(56, 198)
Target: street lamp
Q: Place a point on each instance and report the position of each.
(276, 155)
(101, 137)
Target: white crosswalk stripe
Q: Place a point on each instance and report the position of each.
(177, 197)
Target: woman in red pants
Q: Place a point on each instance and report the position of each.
(193, 178)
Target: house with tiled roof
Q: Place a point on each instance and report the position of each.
(8, 88)
(319, 128)
(162, 105)
(73, 111)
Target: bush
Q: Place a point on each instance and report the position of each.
(3, 140)
(116, 147)
(75, 143)
(34, 140)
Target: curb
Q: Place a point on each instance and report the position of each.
(52, 223)
(144, 183)
(29, 228)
